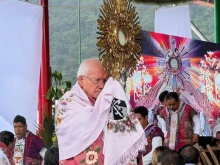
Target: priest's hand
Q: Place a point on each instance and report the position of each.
(195, 139)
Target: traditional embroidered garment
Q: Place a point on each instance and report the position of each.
(174, 121)
(79, 124)
(93, 154)
(3, 158)
(6, 151)
(152, 131)
(180, 126)
(27, 150)
(154, 137)
(19, 151)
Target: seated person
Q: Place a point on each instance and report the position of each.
(216, 132)
(157, 152)
(204, 140)
(190, 154)
(153, 133)
(170, 158)
(52, 156)
(3, 158)
(6, 146)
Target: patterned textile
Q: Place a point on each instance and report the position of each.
(92, 155)
(152, 131)
(111, 114)
(32, 161)
(29, 148)
(174, 122)
(6, 151)
(184, 133)
(3, 158)
(19, 151)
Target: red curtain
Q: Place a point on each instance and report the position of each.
(44, 104)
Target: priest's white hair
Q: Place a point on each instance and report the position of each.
(85, 66)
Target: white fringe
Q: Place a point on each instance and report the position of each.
(132, 153)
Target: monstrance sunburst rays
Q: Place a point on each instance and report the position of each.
(173, 64)
(118, 40)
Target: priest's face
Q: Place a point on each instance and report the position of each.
(172, 104)
(20, 130)
(94, 80)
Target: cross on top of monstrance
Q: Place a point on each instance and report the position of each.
(118, 41)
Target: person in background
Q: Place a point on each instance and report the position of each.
(182, 123)
(154, 135)
(216, 135)
(6, 145)
(170, 158)
(29, 149)
(190, 154)
(52, 156)
(161, 123)
(157, 152)
(162, 98)
(216, 132)
(3, 158)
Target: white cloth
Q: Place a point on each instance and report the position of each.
(173, 21)
(20, 54)
(80, 123)
(196, 123)
(173, 128)
(3, 158)
(43, 152)
(162, 125)
(156, 142)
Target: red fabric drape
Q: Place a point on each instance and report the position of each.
(44, 104)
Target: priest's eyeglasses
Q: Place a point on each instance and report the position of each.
(96, 80)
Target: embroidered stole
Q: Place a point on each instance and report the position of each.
(174, 124)
(19, 151)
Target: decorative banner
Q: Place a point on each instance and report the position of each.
(173, 21)
(169, 63)
(20, 52)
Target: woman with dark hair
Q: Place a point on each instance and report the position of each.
(6, 144)
(52, 156)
